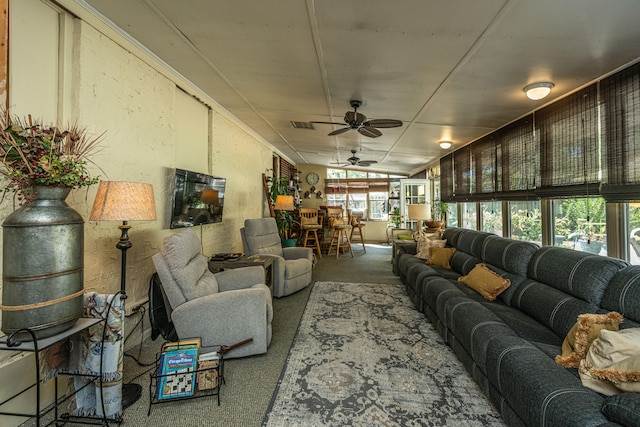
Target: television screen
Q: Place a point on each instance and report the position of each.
(197, 199)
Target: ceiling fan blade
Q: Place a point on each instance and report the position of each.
(369, 131)
(383, 123)
(329, 123)
(339, 131)
(367, 162)
(340, 163)
(353, 116)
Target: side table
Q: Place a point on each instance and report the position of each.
(246, 261)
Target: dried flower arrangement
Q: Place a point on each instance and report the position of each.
(32, 154)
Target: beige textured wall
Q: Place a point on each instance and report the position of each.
(114, 90)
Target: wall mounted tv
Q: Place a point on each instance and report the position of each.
(197, 199)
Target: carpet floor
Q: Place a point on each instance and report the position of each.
(363, 356)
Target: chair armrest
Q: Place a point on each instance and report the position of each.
(298, 252)
(210, 317)
(239, 278)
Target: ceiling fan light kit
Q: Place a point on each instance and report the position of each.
(357, 121)
(539, 90)
(445, 144)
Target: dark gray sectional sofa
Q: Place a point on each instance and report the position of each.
(509, 345)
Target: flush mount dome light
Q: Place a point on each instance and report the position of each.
(536, 91)
(445, 144)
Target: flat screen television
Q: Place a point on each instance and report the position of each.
(198, 199)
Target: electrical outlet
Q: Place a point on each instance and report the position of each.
(133, 308)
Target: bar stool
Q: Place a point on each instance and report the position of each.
(340, 235)
(356, 229)
(310, 225)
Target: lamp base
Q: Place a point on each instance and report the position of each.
(131, 392)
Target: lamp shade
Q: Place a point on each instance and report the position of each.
(123, 201)
(418, 212)
(210, 197)
(284, 203)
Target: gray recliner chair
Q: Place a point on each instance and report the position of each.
(291, 266)
(223, 308)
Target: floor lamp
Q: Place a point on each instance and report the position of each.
(124, 201)
(419, 213)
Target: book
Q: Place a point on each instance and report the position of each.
(177, 373)
(207, 377)
(182, 344)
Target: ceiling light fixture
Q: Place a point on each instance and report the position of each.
(445, 144)
(536, 91)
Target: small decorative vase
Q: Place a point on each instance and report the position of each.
(43, 265)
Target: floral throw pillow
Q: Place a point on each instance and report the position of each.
(425, 243)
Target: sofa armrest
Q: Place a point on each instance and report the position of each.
(209, 318)
(239, 278)
(623, 408)
(298, 252)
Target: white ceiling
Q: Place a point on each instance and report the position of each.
(449, 69)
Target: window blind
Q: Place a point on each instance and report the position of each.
(446, 178)
(520, 158)
(464, 174)
(486, 156)
(620, 98)
(569, 145)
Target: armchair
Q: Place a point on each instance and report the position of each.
(291, 266)
(222, 308)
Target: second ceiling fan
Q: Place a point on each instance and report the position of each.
(359, 122)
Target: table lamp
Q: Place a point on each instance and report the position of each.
(419, 213)
(124, 201)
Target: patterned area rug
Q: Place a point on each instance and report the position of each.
(364, 356)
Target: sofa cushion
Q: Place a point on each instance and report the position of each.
(508, 254)
(471, 242)
(623, 409)
(623, 294)
(441, 257)
(579, 274)
(451, 235)
(550, 306)
(581, 335)
(463, 263)
(484, 281)
(188, 266)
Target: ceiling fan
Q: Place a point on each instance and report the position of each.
(355, 161)
(359, 122)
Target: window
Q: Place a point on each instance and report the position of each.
(491, 217)
(580, 224)
(634, 233)
(526, 221)
(360, 191)
(469, 215)
(377, 206)
(452, 215)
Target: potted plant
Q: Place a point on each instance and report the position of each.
(439, 211)
(286, 220)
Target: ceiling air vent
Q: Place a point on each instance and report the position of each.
(301, 125)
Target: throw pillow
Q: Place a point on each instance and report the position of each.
(486, 282)
(612, 364)
(425, 243)
(579, 338)
(441, 257)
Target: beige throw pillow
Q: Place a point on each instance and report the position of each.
(425, 243)
(612, 364)
(579, 338)
(486, 282)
